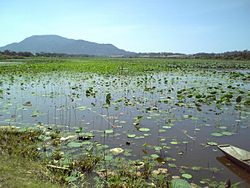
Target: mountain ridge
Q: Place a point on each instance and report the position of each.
(59, 44)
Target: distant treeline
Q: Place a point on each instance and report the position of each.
(42, 54)
(11, 54)
(237, 55)
(161, 54)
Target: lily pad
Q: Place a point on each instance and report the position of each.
(227, 133)
(212, 143)
(157, 148)
(172, 165)
(217, 134)
(222, 127)
(74, 144)
(196, 168)
(109, 131)
(131, 135)
(174, 142)
(187, 176)
(144, 129)
(162, 130)
(116, 151)
(166, 127)
(180, 183)
(154, 156)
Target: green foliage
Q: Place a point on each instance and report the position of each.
(112, 65)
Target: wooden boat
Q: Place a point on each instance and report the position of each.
(239, 156)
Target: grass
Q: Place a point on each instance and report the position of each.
(19, 164)
(18, 172)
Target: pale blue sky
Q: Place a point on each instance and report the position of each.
(187, 26)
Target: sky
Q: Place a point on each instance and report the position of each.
(184, 26)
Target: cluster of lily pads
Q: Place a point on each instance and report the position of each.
(153, 116)
(77, 161)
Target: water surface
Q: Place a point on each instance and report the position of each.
(184, 112)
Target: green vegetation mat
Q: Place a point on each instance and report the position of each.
(119, 66)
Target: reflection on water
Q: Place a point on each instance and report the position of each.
(243, 174)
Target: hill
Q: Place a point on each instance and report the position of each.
(58, 44)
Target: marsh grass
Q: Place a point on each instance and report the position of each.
(19, 160)
(23, 165)
(19, 143)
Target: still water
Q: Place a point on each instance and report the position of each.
(186, 114)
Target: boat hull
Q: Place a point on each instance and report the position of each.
(237, 159)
